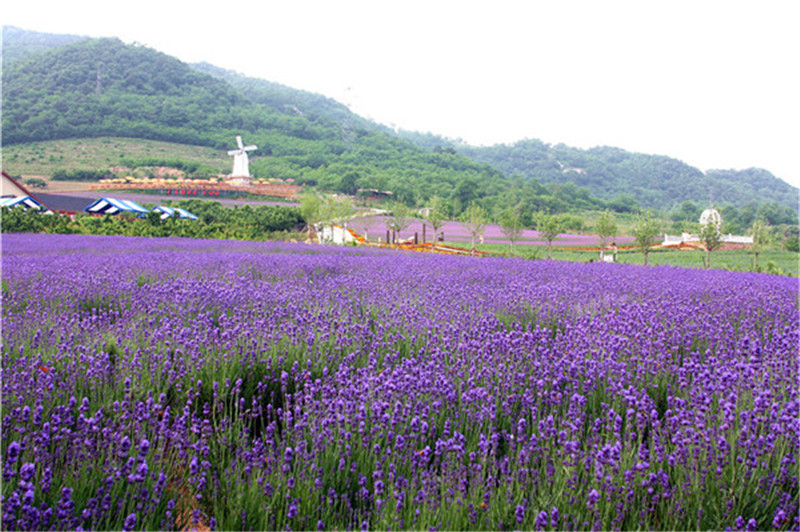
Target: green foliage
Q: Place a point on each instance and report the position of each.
(20, 220)
(762, 235)
(510, 222)
(792, 243)
(474, 219)
(336, 211)
(711, 238)
(687, 211)
(645, 230)
(398, 218)
(606, 229)
(19, 43)
(310, 205)
(266, 222)
(81, 175)
(572, 222)
(623, 203)
(36, 182)
(436, 214)
(772, 269)
(193, 168)
(549, 226)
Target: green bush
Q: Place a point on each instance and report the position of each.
(792, 243)
(81, 175)
(36, 182)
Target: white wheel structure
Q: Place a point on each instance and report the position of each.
(711, 216)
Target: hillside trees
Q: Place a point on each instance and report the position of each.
(612, 173)
(102, 87)
(465, 193)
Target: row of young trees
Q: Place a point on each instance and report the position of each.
(645, 229)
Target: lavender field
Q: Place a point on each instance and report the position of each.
(265, 386)
(374, 227)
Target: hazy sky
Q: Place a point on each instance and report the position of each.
(715, 84)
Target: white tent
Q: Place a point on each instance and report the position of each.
(168, 212)
(115, 206)
(26, 202)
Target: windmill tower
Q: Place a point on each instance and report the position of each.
(241, 170)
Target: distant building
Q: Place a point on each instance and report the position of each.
(11, 188)
(709, 216)
(57, 203)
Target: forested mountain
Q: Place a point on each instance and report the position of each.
(18, 43)
(68, 87)
(289, 100)
(102, 87)
(623, 177)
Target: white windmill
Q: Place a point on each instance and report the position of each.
(240, 163)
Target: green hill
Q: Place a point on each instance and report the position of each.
(289, 100)
(48, 157)
(67, 87)
(104, 88)
(622, 177)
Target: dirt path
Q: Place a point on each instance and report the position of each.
(60, 187)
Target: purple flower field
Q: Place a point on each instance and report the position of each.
(265, 386)
(375, 228)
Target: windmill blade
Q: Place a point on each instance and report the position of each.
(234, 152)
(250, 148)
(239, 142)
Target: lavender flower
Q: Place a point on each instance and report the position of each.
(392, 386)
(592, 498)
(130, 522)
